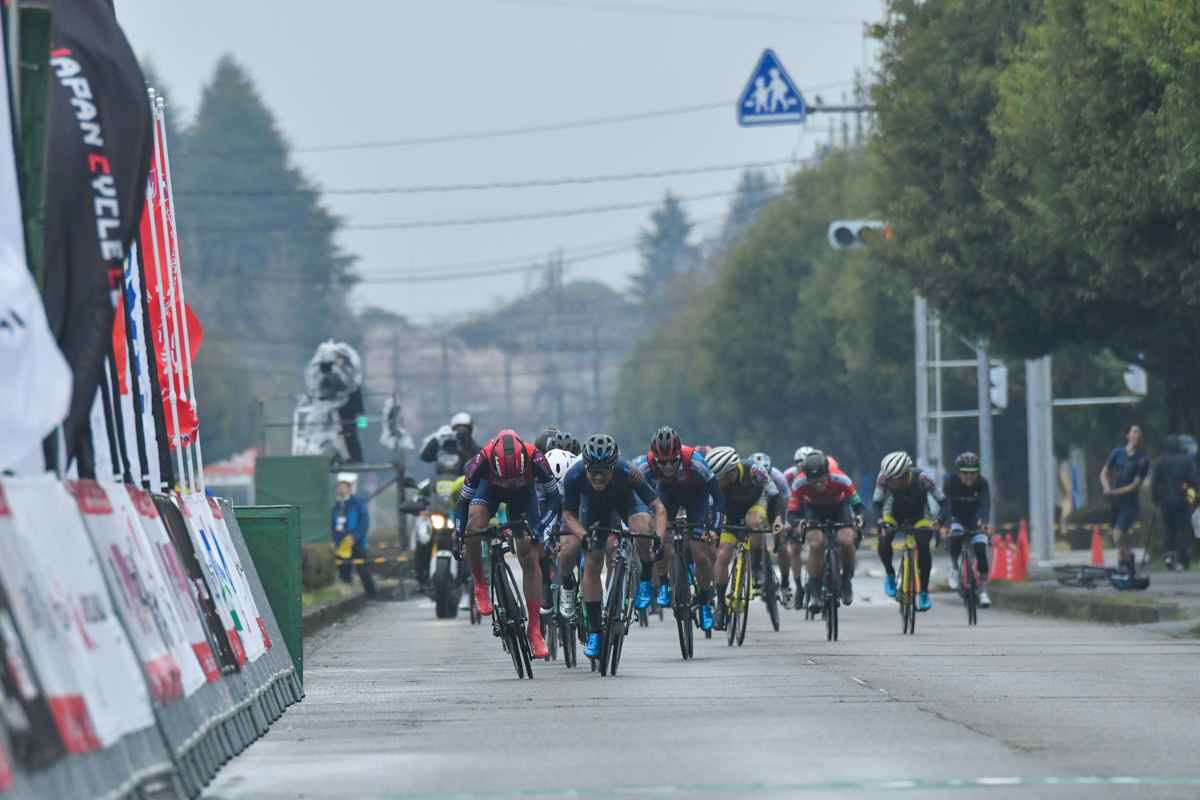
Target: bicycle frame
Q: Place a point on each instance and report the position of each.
(968, 586)
(618, 600)
(509, 615)
(737, 603)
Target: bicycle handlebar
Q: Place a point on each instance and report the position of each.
(499, 529)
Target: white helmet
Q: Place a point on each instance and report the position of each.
(347, 477)
(721, 460)
(461, 418)
(560, 462)
(803, 453)
(895, 464)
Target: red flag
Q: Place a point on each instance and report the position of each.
(159, 249)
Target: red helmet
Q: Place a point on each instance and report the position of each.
(509, 456)
(666, 446)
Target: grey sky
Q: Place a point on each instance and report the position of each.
(385, 70)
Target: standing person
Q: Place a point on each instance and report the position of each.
(1173, 475)
(350, 521)
(1123, 474)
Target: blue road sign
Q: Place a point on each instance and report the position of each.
(770, 98)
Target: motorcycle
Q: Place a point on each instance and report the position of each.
(433, 526)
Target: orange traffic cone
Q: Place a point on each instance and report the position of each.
(999, 554)
(1009, 552)
(1023, 539)
(1097, 547)
(1020, 569)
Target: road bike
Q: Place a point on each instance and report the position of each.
(739, 593)
(908, 579)
(685, 594)
(969, 586)
(831, 573)
(566, 628)
(509, 615)
(618, 614)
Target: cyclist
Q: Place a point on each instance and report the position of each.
(547, 441)
(822, 495)
(600, 484)
(750, 499)
(683, 480)
(780, 548)
(505, 472)
(902, 494)
(969, 500)
(797, 468)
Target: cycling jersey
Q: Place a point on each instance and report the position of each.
(839, 490)
(908, 502)
(480, 474)
(782, 486)
(753, 488)
(969, 505)
(693, 487)
(625, 481)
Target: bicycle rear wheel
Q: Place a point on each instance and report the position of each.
(771, 589)
(566, 637)
(970, 584)
(904, 594)
(744, 595)
(832, 579)
(681, 601)
(614, 624)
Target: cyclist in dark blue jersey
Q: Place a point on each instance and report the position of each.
(599, 485)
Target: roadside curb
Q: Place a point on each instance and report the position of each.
(1051, 602)
(325, 614)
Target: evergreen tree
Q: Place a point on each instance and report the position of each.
(754, 191)
(666, 252)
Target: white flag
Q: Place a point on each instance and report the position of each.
(36, 388)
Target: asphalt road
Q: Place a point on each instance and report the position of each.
(400, 704)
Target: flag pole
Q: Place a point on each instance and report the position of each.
(174, 232)
(162, 309)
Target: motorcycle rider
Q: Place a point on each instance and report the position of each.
(449, 449)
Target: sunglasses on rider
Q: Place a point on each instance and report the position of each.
(599, 472)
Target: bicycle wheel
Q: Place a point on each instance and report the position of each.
(513, 610)
(546, 626)
(912, 591)
(771, 590)
(832, 581)
(614, 625)
(731, 598)
(566, 637)
(970, 586)
(903, 594)
(744, 595)
(681, 602)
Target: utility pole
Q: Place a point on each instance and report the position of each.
(445, 378)
(987, 459)
(596, 409)
(508, 409)
(554, 386)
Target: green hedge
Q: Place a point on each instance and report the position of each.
(317, 568)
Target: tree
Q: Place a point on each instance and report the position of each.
(754, 192)
(666, 252)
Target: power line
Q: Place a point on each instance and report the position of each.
(446, 223)
(461, 187)
(688, 12)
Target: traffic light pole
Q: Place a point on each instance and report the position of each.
(987, 460)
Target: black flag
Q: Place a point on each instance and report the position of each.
(100, 144)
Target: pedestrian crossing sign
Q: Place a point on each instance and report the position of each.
(770, 98)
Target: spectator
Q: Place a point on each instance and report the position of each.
(350, 520)
(452, 447)
(1122, 477)
(1174, 473)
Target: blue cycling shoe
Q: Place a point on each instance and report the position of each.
(923, 602)
(644, 595)
(664, 596)
(706, 617)
(592, 648)
(889, 585)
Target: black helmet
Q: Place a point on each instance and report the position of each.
(967, 462)
(542, 442)
(600, 451)
(561, 440)
(665, 445)
(815, 465)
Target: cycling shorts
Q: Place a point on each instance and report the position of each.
(693, 500)
(601, 510)
(956, 529)
(919, 524)
(519, 503)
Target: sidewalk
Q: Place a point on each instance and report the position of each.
(1170, 605)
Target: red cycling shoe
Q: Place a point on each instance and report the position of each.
(481, 598)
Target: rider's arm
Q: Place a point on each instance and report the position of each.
(985, 501)
(572, 524)
(550, 488)
(877, 500)
(660, 519)
(641, 486)
(716, 497)
(429, 450)
(471, 480)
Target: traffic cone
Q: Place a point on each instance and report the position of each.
(1008, 557)
(999, 554)
(1023, 539)
(1097, 547)
(1020, 569)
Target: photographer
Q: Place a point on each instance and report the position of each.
(452, 446)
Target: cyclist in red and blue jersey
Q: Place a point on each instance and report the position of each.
(751, 498)
(822, 495)
(902, 494)
(683, 480)
(599, 485)
(506, 471)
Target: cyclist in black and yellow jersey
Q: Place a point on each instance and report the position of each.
(902, 494)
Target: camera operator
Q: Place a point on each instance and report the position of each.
(452, 446)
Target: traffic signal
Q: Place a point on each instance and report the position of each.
(998, 377)
(856, 233)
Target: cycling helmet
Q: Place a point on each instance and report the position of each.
(560, 462)
(561, 440)
(509, 456)
(461, 418)
(601, 451)
(815, 465)
(803, 453)
(665, 445)
(542, 442)
(721, 460)
(895, 464)
(763, 460)
(967, 462)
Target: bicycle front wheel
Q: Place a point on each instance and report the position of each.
(566, 639)
(970, 584)
(743, 601)
(771, 590)
(681, 602)
(614, 622)
(513, 611)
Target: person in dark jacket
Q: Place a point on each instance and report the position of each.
(452, 447)
(1174, 473)
(350, 519)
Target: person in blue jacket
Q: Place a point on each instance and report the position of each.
(350, 518)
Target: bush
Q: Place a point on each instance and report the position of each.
(317, 568)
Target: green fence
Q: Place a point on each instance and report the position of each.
(272, 535)
(301, 481)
